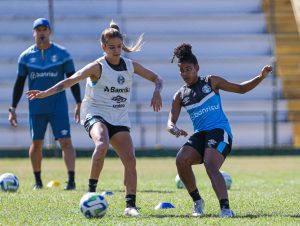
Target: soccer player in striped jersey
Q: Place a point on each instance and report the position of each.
(105, 107)
(212, 138)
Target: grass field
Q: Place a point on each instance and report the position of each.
(265, 191)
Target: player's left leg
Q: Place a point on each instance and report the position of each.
(61, 130)
(123, 145)
(218, 146)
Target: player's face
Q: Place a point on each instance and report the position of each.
(188, 72)
(113, 47)
(41, 35)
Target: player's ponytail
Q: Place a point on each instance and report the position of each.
(114, 31)
(184, 54)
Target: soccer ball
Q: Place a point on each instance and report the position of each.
(227, 178)
(9, 182)
(93, 205)
(179, 183)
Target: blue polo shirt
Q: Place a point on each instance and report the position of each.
(44, 73)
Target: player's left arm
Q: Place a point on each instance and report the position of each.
(244, 87)
(156, 101)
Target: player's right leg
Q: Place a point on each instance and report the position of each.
(38, 125)
(99, 134)
(186, 157)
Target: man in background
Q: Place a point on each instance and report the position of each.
(45, 63)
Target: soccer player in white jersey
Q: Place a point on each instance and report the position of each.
(212, 138)
(104, 110)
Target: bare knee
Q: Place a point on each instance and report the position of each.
(183, 161)
(100, 150)
(211, 169)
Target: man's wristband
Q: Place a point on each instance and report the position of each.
(12, 110)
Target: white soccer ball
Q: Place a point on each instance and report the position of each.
(9, 182)
(227, 178)
(93, 205)
(179, 183)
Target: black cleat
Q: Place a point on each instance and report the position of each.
(37, 186)
(70, 186)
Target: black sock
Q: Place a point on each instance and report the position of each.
(224, 203)
(92, 185)
(37, 176)
(130, 200)
(71, 175)
(195, 195)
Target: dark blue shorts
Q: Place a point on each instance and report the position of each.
(59, 122)
(112, 129)
(215, 138)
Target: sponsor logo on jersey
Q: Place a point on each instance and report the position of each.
(116, 90)
(185, 100)
(119, 99)
(34, 75)
(32, 60)
(204, 111)
(121, 79)
(206, 89)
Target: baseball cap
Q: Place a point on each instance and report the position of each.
(40, 22)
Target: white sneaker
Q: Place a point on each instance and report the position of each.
(198, 208)
(131, 212)
(226, 213)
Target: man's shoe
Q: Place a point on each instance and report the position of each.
(226, 213)
(37, 186)
(131, 212)
(70, 186)
(198, 208)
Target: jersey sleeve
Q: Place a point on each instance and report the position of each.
(68, 65)
(22, 69)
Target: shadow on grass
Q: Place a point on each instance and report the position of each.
(251, 216)
(155, 191)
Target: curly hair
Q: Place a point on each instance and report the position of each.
(184, 54)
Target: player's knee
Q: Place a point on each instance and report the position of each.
(182, 161)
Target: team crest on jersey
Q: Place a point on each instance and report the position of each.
(121, 79)
(206, 89)
(54, 58)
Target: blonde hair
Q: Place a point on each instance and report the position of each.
(114, 31)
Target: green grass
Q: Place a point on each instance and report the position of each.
(265, 191)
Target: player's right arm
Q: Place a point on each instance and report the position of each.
(92, 70)
(17, 94)
(173, 117)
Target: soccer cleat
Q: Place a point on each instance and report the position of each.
(131, 212)
(226, 213)
(198, 208)
(37, 186)
(70, 186)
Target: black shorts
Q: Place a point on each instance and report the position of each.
(215, 138)
(112, 129)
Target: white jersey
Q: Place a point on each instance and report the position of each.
(109, 97)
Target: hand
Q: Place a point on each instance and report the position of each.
(265, 71)
(77, 112)
(12, 118)
(177, 132)
(156, 101)
(36, 94)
